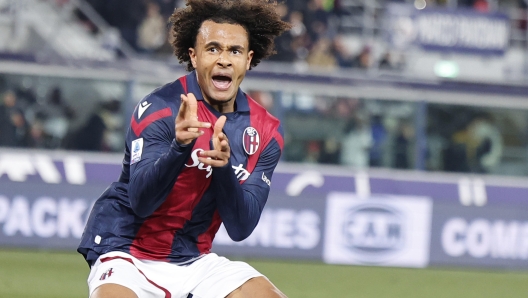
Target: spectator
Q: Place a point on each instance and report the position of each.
(403, 145)
(152, 33)
(484, 144)
(357, 137)
(321, 56)
(13, 125)
(99, 131)
(363, 59)
(313, 151)
(37, 136)
(126, 15)
(342, 54)
(330, 151)
(379, 137)
(386, 62)
(455, 154)
(89, 137)
(55, 115)
(300, 41)
(317, 19)
(283, 43)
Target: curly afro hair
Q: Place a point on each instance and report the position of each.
(258, 17)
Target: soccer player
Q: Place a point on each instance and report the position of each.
(199, 152)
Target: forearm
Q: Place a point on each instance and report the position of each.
(239, 208)
(152, 179)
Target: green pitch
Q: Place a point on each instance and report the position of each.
(31, 274)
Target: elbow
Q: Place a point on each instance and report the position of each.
(141, 212)
(238, 237)
(238, 234)
(139, 209)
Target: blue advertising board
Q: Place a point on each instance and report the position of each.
(332, 214)
(448, 30)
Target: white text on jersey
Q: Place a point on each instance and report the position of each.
(200, 165)
(265, 179)
(241, 173)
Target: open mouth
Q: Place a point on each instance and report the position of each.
(222, 82)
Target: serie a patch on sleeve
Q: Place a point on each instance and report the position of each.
(137, 150)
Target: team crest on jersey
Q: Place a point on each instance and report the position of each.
(251, 140)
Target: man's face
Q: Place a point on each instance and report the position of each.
(221, 58)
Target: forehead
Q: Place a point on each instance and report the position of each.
(223, 33)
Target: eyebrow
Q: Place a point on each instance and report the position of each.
(218, 45)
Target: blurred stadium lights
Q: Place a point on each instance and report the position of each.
(420, 4)
(446, 69)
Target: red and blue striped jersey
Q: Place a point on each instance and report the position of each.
(166, 204)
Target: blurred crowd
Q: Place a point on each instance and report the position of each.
(348, 131)
(318, 129)
(376, 133)
(318, 37)
(27, 121)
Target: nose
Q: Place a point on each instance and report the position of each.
(223, 60)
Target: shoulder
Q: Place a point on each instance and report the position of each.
(160, 107)
(163, 100)
(261, 115)
(265, 124)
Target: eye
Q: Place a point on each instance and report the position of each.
(236, 52)
(213, 50)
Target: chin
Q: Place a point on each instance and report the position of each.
(222, 97)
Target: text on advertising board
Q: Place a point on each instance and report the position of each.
(480, 238)
(387, 230)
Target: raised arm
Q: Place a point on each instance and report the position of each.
(240, 205)
(159, 148)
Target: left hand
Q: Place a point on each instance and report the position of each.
(219, 156)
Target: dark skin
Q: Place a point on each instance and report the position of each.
(220, 50)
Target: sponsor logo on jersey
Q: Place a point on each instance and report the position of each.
(265, 179)
(142, 108)
(196, 163)
(251, 140)
(137, 150)
(241, 173)
(108, 273)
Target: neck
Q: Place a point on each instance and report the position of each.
(221, 106)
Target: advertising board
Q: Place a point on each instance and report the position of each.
(331, 214)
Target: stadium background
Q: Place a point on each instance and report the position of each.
(405, 142)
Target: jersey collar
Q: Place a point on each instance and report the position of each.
(241, 101)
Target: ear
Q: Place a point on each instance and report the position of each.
(192, 54)
(250, 56)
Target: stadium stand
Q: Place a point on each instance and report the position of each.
(385, 105)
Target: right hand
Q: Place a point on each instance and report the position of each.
(187, 125)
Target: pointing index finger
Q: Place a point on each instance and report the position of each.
(193, 106)
(219, 125)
